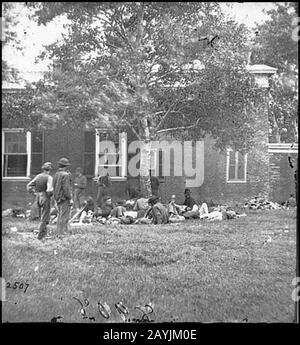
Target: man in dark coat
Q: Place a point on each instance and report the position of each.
(159, 212)
(154, 184)
(106, 207)
(80, 183)
(41, 185)
(192, 210)
(63, 195)
(104, 184)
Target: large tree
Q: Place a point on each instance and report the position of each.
(9, 37)
(275, 45)
(176, 68)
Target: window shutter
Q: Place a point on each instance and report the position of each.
(231, 174)
(89, 153)
(37, 149)
(241, 167)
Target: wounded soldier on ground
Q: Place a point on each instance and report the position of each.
(192, 210)
(141, 206)
(113, 214)
(156, 214)
(174, 211)
(87, 212)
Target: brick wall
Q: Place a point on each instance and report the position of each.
(282, 181)
(63, 142)
(14, 194)
(214, 188)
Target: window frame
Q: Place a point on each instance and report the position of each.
(236, 180)
(123, 149)
(28, 152)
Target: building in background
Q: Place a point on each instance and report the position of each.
(229, 177)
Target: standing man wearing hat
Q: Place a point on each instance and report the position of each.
(42, 186)
(63, 195)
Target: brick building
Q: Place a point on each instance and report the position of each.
(221, 177)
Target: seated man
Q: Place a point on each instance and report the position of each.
(114, 213)
(192, 210)
(118, 211)
(86, 213)
(106, 207)
(291, 202)
(174, 211)
(89, 209)
(155, 214)
(159, 212)
(141, 206)
(146, 217)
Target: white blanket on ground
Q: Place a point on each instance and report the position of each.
(132, 214)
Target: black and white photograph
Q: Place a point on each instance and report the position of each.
(149, 164)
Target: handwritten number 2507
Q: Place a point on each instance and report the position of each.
(15, 286)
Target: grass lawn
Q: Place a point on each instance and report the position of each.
(192, 272)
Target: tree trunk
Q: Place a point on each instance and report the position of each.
(142, 92)
(145, 161)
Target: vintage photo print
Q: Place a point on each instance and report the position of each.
(149, 164)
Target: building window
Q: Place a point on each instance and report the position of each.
(16, 153)
(236, 167)
(111, 154)
(89, 153)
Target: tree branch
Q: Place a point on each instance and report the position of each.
(140, 29)
(164, 75)
(111, 45)
(121, 34)
(178, 128)
(132, 128)
(165, 116)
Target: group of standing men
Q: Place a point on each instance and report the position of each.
(60, 187)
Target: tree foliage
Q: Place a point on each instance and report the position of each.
(10, 20)
(274, 46)
(154, 67)
(148, 66)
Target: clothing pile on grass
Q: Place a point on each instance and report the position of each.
(261, 203)
(220, 212)
(17, 212)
